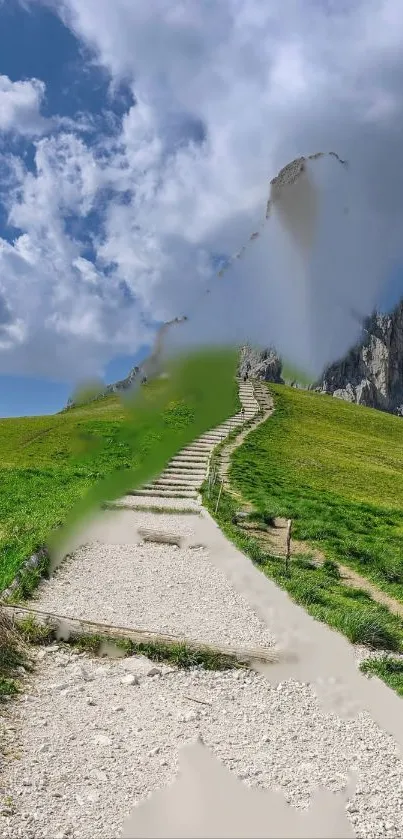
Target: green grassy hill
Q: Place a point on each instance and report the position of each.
(336, 469)
(51, 464)
(42, 474)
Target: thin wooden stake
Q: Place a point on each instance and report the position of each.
(219, 494)
(288, 546)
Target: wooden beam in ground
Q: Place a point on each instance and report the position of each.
(158, 536)
(65, 626)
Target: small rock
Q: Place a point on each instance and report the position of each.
(103, 740)
(82, 673)
(164, 762)
(191, 716)
(98, 775)
(60, 686)
(154, 751)
(41, 655)
(90, 701)
(117, 708)
(130, 679)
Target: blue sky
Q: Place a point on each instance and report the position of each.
(137, 142)
(36, 44)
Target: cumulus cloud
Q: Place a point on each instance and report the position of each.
(224, 95)
(20, 104)
(75, 318)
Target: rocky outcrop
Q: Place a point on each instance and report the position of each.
(261, 364)
(116, 387)
(371, 373)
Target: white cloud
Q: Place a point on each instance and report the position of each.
(20, 104)
(74, 317)
(226, 93)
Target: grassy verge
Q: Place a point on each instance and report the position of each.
(56, 469)
(388, 668)
(181, 655)
(346, 609)
(14, 654)
(336, 470)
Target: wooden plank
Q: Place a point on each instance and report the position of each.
(158, 536)
(77, 627)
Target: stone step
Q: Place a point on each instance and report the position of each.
(165, 493)
(188, 464)
(198, 449)
(190, 458)
(184, 477)
(183, 473)
(177, 482)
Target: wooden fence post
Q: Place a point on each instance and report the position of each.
(219, 495)
(288, 546)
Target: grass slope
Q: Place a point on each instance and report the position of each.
(42, 475)
(336, 470)
(54, 468)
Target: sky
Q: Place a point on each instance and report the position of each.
(137, 142)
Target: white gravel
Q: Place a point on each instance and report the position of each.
(161, 588)
(165, 522)
(363, 653)
(92, 746)
(159, 501)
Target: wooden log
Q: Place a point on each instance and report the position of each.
(65, 626)
(158, 536)
(288, 546)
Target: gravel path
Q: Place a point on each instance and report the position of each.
(90, 738)
(92, 746)
(153, 501)
(161, 588)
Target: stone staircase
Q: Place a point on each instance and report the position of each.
(186, 472)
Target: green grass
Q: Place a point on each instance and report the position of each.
(336, 470)
(56, 469)
(387, 668)
(13, 654)
(349, 610)
(180, 654)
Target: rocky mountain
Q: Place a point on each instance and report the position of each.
(260, 364)
(372, 371)
(99, 393)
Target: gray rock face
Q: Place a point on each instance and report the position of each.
(371, 373)
(261, 364)
(116, 387)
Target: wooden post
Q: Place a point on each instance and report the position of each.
(219, 495)
(288, 546)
